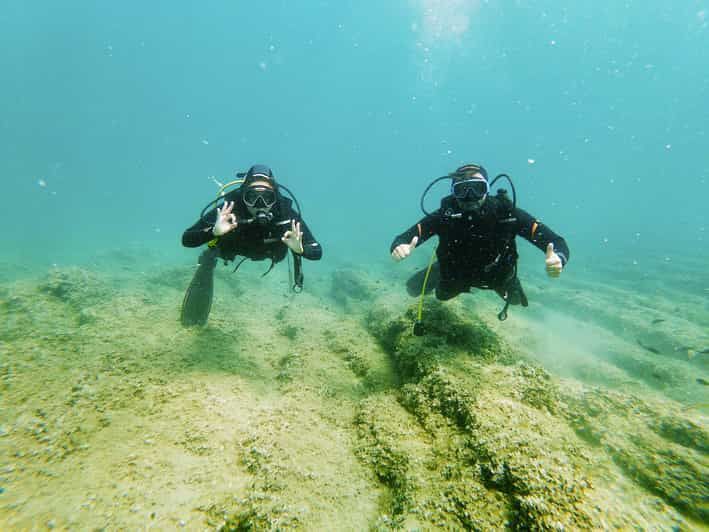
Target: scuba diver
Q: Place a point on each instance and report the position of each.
(256, 222)
(476, 248)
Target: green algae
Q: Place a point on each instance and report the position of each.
(446, 334)
(663, 454)
(445, 404)
(75, 286)
(378, 448)
(360, 426)
(351, 288)
(541, 477)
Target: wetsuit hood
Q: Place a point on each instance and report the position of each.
(259, 172)
(468, 170)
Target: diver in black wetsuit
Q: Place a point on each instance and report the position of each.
(476, 246)
(255, 222)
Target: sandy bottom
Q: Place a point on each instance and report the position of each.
(286, 411)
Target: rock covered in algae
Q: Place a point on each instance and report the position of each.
(663, 452)
(52, 307)
(75, 286)
(380, 449)
(446, 334)
(350, 287)
(488, 453)
(177, 277)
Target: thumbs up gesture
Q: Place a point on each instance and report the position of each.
(553, 262)
(404, 250)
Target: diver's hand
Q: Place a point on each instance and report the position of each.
(404, 250)
(553, 262)
(226, 219)
(294, 238)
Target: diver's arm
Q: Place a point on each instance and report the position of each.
(423, 230)
(200, 233)
(540, 235)
(312, 250)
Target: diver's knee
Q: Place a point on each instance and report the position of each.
(445, 295)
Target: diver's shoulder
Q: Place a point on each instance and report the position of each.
(501, 203)
(233, 195)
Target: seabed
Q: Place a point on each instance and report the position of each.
(322, 411)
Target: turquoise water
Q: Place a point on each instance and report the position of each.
(321, 411)
(115, 115)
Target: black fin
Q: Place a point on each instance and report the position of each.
(198, 298)
(415, 282)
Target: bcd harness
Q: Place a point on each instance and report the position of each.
(504, 212)
(297, 285)
(297, 273)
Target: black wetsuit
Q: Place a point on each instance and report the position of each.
(250, 239)
(477, 249)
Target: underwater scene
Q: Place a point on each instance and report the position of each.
(335, 265)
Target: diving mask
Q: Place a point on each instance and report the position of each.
(259, 197)
(470, 189)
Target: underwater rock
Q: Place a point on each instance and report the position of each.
(351, 286)
(446, 334)
(661, 454)
(263, 508)
(378, 448)
(254, 516)
(536, 388)
(357, 364)
(178, 277)
(431, 479)
(87, 316)
(443, 394)
(75, 286)
(289, 331)
(488, 462)
(16, 316)
(360, 355)
(652, 370)
(530, 457)
(484, 461)
(678, 479)
(683, 431)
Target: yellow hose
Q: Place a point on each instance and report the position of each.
(423, 288)
(231, 183)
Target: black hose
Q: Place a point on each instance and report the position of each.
(512, 185)
(423, 196)
(293, 198)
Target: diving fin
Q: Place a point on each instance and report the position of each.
(198, 298)
(515, 294)
(415, 283)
